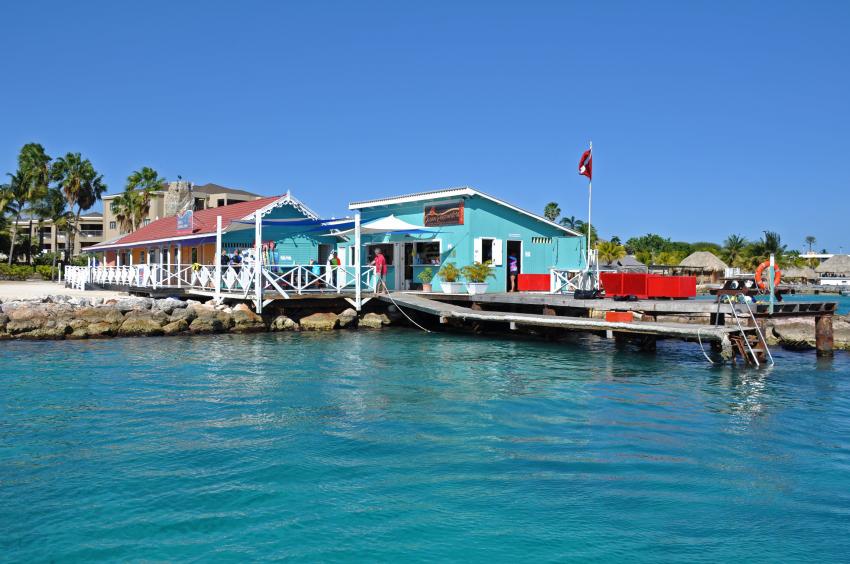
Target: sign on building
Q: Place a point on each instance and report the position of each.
(448, 213)
(184, 221)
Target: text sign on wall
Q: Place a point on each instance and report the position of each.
(448, 213)
(184, 221)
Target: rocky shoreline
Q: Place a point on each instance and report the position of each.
(63, 317)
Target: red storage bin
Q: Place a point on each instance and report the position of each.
(533, 282)
(645, 286)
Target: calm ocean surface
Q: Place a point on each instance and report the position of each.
(400, 446)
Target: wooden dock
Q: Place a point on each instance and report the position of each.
(451, 312)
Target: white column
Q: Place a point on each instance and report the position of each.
(118, 258)
(217, 277)
(258, 260)
(357, 291)
(168, 263)
(179, 261)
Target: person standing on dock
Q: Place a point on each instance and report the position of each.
(333, 264)
(380, 264)
(513, 270)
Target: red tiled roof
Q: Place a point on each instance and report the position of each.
(204, 222)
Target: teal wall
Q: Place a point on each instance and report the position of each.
(483, 218)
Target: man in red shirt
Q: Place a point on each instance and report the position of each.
(380, 264)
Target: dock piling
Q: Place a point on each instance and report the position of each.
(824, 341)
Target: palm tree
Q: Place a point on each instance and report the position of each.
(15, 200)
(34, 167)
(551, 211)
(570, 222)
(810, 241)
(615, 239)
(81, 185)
(610, 251)
(734, 249)
(53, 208)
(581, 227)
(132, 206)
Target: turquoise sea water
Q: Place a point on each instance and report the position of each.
(400, 446)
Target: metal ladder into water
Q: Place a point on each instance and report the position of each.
(748, 353)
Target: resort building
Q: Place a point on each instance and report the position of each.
(203, 197)
(462, 226)
(44, 233)
(166, 242)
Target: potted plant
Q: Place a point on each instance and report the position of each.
(476, 275)
(449, 274)
(425, 277)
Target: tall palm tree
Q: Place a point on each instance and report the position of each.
(53, 208)
(81, 185)
(132, 206)
(810, 241)
(734, 248)
(581, 227)
(15, 200)
(551, 211)
(35, 169)
(570, 222)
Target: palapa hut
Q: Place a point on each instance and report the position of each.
(804, 275)
(704, 265)
(838, 266)
(626, 264)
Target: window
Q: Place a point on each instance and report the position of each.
(220, 202)
(427, 253)
(194, 255)
(113, 225)
(387, 249)
(541, 240)
(199, 204)
(486, 249)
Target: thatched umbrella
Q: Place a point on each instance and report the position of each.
(837, 264)
(793, 273)
(702, 262)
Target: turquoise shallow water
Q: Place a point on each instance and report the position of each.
(400, 446)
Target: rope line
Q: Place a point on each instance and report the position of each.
(398, 307)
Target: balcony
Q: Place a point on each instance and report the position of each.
(91, 233)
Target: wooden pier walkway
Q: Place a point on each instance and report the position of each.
(448, 311)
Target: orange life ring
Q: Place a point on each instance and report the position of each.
(777, 275)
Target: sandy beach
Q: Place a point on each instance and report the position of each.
(39, 289)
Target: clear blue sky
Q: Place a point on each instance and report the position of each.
(707, 117)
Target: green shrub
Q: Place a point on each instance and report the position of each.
(15, 271)
(45, 271)
(46, 258)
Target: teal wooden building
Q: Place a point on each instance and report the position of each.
(462, 226)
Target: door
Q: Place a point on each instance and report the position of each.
(514, 253)
(324, 253)
(408, 258)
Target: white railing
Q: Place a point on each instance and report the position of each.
(240, 280)
(566, 281)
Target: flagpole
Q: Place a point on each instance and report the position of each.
(589, 209)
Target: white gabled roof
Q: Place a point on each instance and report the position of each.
(453, 193)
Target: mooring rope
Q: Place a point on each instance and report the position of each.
(702, 348)
(398, 307)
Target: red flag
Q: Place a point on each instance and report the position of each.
(585, 164)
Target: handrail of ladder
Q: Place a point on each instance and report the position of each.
(760, 334)
(744, 334)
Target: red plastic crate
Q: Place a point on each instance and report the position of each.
(533, 282)
(619, 316)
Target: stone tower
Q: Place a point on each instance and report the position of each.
(177, 198)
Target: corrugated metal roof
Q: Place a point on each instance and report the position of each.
(453, 193)
(204, 223)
